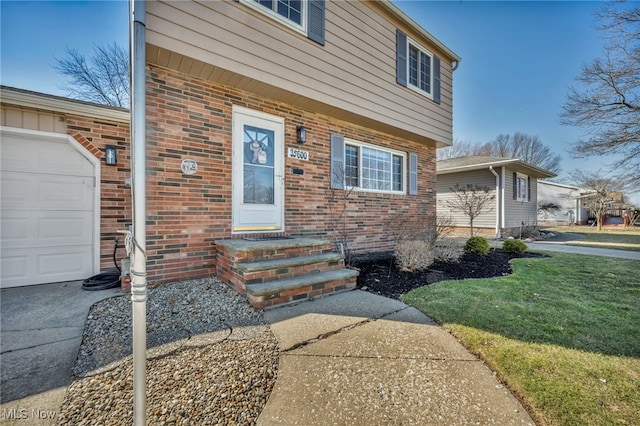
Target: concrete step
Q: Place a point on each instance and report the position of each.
(290, 262)
(308, 286)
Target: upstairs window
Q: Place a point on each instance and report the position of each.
(289, 9)
(417, 67)
(305, 16)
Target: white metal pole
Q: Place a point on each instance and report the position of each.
(138, 192)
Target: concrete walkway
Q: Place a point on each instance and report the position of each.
(356, 358)
(40, 332)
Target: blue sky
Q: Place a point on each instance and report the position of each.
(518, 58)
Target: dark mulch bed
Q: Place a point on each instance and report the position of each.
(379, 274)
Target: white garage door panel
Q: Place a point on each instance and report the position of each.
(49, 227)
(45, 265)
(54, 156)
(36, 191)
(25, 229)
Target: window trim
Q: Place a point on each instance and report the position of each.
(525, 179)
(302, 28)
(403, 155)
(423, 51)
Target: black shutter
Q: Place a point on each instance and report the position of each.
(515, 186)
(316, 21)
(529, 189)
(337, 161)
(401, 58)
(413, 174)
(436, 79)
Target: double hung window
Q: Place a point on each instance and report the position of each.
(521, 187)
(419, 69)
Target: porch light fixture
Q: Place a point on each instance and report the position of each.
(301, 134)
(110, 155)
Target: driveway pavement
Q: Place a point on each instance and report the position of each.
(40, 333)
(559, 243)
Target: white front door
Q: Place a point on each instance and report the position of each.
(258, 157)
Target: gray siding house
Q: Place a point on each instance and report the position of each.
(513, 182)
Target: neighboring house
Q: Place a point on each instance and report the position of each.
(569, 200)
(260, 119)
(61, 205)
(513, 182)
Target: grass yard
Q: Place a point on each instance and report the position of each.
(562, 332)
(614, 238)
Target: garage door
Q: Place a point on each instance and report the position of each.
(48, 230)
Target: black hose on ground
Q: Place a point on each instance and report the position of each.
(104, 280)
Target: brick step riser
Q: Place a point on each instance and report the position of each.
(290, 272)
(301, 293)
(276, 254)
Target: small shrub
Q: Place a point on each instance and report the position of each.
(525, 231)
(447, 250)
(413, 255)
(477, 245)
(514, 246)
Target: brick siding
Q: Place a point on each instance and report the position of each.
(115, 197)
(192, 118)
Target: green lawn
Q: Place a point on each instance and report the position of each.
(563, 332)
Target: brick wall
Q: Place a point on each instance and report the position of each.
(191, 118)
(115, 197)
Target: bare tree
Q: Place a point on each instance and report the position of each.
(606, 104)
(529, 149)
(339, 201)
(103, 78)
(547, 208)
(457, 149)
(597, 191)
(470, 199)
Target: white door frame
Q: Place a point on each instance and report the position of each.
(95, 162)
(274, 214)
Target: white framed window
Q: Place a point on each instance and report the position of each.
(521, 187)
(290, 12)
(372, 168)
(419, 68)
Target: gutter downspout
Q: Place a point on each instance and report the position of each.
(137, 40)
(497, 201)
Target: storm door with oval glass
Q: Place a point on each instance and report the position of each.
(258, 196)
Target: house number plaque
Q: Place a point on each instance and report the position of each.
(298, 154)
(189, 167)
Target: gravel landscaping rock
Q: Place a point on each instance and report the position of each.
(211, 360)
